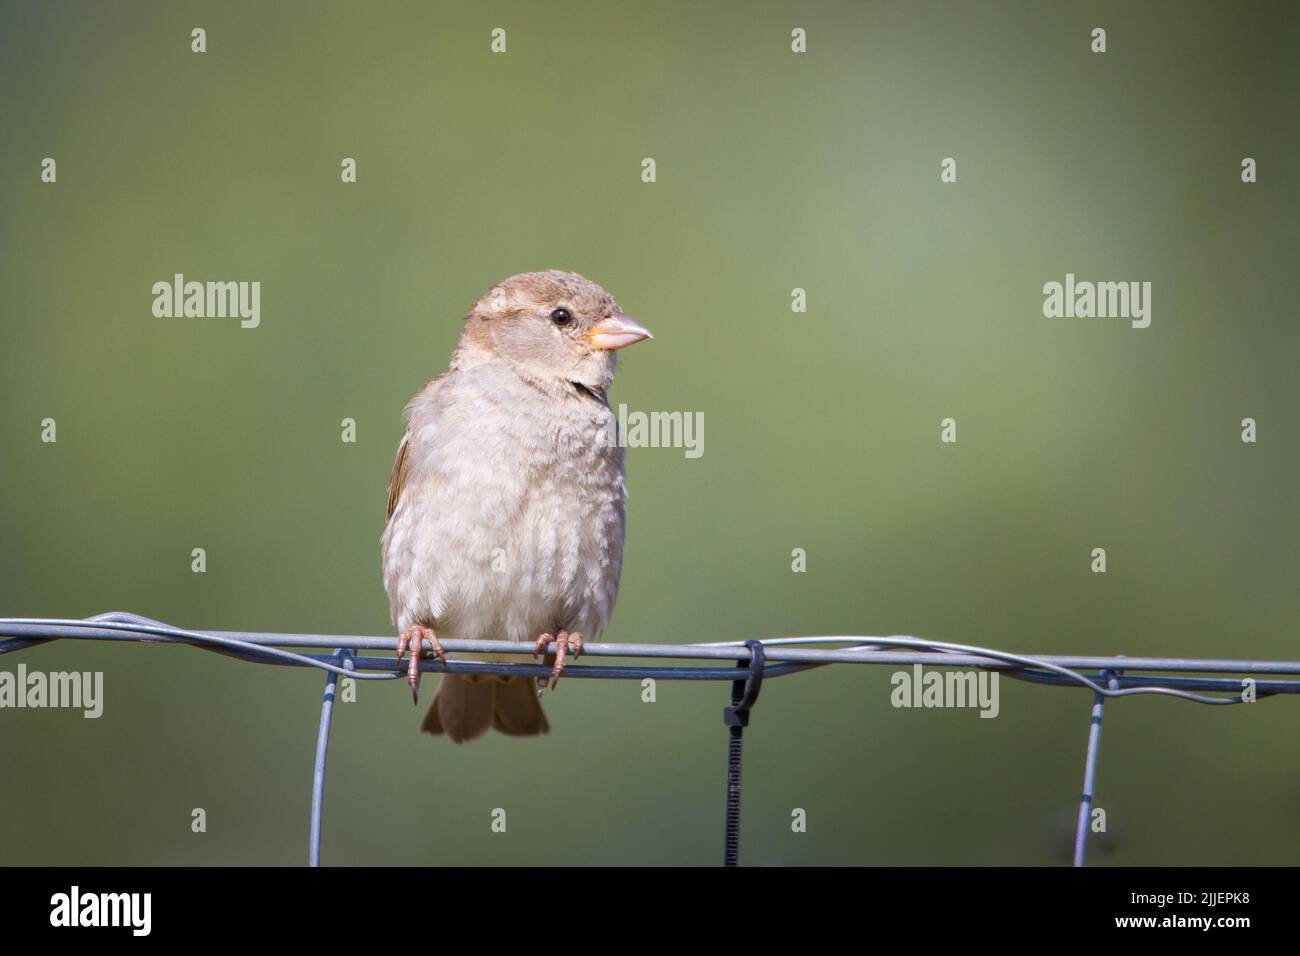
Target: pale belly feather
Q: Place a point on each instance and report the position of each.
(511, 536)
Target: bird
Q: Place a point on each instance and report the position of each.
(507, 501)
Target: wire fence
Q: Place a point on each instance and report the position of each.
(1212, 682)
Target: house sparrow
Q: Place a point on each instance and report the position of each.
(506, 504)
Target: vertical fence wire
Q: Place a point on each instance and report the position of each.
(1090, 769)
(344, 657)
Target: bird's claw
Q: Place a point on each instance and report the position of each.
(565, 643)
(413, 638)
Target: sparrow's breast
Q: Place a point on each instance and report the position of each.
(511, 519)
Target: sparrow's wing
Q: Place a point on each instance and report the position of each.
(398, 480)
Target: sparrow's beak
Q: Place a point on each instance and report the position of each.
(617, 332)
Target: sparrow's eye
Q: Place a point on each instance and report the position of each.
(561, 316)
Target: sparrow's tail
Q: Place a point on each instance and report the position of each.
(467, 706)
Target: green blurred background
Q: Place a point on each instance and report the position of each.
(775, 171)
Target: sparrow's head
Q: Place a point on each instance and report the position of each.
(553, 326)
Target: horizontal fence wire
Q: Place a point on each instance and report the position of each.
(1213, 681)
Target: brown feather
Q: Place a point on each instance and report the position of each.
(465, 708)
(517, 710)
(462, 710)
(398, 478)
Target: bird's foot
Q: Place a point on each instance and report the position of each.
(564, 644)
(413, 638)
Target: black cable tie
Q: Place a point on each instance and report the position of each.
(744, 693)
